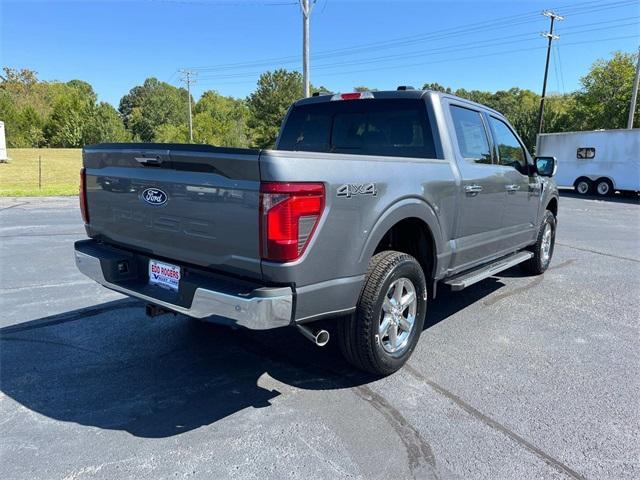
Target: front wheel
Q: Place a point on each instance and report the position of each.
(382, 334)
(543, 248)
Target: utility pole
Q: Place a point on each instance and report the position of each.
(306, 13)
(187, 77)
(634, 93)
(552, 16)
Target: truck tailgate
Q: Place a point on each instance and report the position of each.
(193, 204)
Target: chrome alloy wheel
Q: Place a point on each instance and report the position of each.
(547, 236)
(398, 316)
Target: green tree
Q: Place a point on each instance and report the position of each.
(24, 106)
(71, 117)
(169, 133)
(436, 87)
(604, 100)
(268, 105)
(54, 114)
(154, 103)
(364, 89)
(105, 125)
(220, 120)
(322, 90)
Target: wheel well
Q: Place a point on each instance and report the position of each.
(414, 237)
(552, 206)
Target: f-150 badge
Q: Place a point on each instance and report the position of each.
(350, 189)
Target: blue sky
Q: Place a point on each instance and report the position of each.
(116, 44)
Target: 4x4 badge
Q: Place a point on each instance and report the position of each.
(350, 189)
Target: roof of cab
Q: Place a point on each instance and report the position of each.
(390, 94)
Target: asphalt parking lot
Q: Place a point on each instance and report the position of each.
(516, 377)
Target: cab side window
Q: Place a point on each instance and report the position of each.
(510, 151)
(471, 134)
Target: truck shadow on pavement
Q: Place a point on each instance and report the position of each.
(110, 367)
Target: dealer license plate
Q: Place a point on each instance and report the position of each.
(164, 275)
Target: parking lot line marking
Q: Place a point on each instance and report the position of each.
(598, 253)
(545, 457)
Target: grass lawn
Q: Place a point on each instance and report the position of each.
(60, 172)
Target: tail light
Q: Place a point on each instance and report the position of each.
(84, 211)
(289, 215)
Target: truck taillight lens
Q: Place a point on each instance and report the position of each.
(83, 196)
(289, 214)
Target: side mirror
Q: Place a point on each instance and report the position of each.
(546, 166)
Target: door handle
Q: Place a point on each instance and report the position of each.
(512, 188)
(473, 189)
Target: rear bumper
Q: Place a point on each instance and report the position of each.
(258, 308)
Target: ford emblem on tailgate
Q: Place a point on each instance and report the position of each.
(154, 196)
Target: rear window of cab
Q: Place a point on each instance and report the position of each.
(386, 127)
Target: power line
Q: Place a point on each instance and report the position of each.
(218, 3)
(456, 31)
(442, 50)
(634, 93)
(463, 46)
(499, 23)
(557, 47)
(447, 60)
(555, 69)
(470, 57)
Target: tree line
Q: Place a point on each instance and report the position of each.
(67, 114)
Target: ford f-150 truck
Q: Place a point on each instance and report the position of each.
(368, 202)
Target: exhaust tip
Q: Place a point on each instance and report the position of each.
(322, 338)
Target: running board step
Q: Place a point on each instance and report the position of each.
(465, 279)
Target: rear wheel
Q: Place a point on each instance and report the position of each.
(382, 334)
(583, 186)
(604, 187)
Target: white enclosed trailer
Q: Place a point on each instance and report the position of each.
(597, 162)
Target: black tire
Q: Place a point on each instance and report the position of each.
(538, 264)
(358, 334)
(583, 186)
(604, 187)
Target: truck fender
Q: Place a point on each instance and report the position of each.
(402, 210)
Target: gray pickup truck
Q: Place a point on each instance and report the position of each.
(368, 202)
